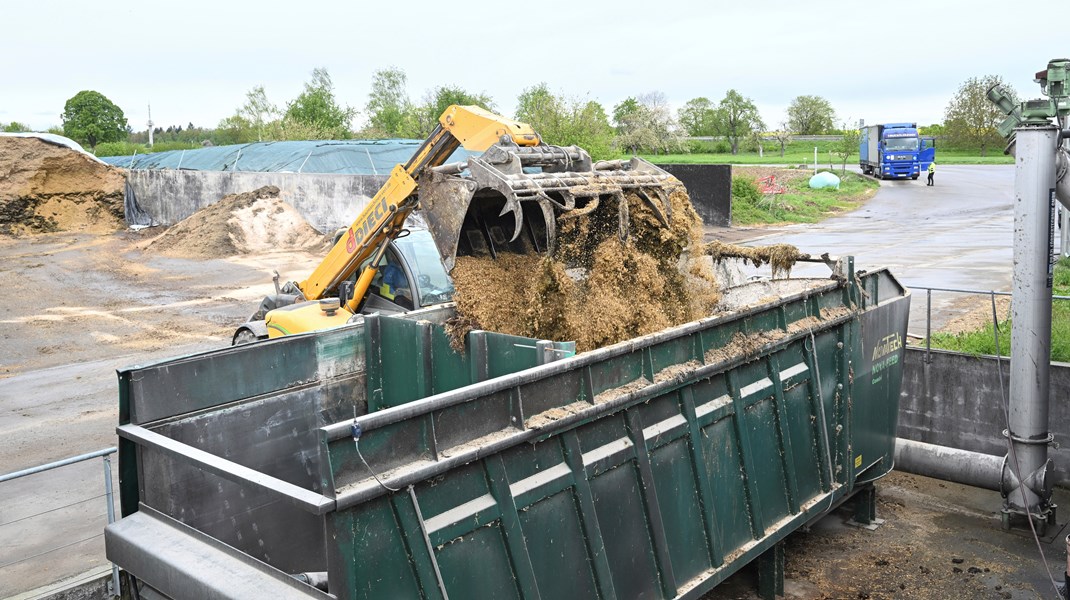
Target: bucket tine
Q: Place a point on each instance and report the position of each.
(580, 212)
(653, 206)
(625, 222)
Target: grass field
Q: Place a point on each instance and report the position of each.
(799, 203)
(982, 341)
(802, 153)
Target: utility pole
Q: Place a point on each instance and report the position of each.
(150, 125)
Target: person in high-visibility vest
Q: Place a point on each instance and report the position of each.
(932, 171)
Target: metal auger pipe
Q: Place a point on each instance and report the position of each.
(1034, 227)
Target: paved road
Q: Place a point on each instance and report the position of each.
(956, 234)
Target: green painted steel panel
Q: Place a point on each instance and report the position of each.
(555, 542)
(767, 458)
(373, 565)
(681, 509)
(476, 565)
(452, 368)
(724, 465)
(509, 354)
(806, 457)
(622, 516)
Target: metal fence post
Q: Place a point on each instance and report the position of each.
(928, 325)
(114, 586)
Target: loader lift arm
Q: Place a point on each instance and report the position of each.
(383, 219)
(505, 199)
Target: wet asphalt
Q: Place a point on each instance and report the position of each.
(956, 234)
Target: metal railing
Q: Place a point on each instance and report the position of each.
(929, 308)
(105, 454)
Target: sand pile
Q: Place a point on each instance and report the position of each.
(250, 222)
(45, 187)
(595, 289)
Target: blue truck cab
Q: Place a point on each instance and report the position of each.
(894, 151)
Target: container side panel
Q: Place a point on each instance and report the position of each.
(370, 556)
(401, 443)
(725, 468)
(622, 519)
(509, 354)
(558, 553)
(877, 378)
(801, 423)
(203, 381)
(565, 388)
(399, 347)
(451, 368)
(456, 503)
(253, 521)
(612, 373)
(681, 512)
(484, 416)
(476, 565)
(673, 353)
(766, 456)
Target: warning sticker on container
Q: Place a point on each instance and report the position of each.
(858, 461)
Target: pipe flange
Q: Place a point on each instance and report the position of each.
(1050, 438)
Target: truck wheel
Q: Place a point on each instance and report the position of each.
(914, 177)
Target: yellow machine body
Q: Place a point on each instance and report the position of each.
(302, 317)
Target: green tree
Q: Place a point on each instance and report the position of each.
(646, 124)
(15, 127)
(235, 129)
(90, 118)
(970, 119)
(698, 117)
(390, 113)
(437, 101)
(810, 115)
(316, 111)
(737, 118)
(936, 129)
(258, 111)
(782, 135)
(566, 122)
(847, 145)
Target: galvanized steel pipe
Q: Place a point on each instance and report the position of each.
(1034, 229)
(949, 464)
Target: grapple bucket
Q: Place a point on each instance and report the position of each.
(511, 198)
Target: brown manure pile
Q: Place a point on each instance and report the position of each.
(595, 289)
(46, 187)
(250, 222)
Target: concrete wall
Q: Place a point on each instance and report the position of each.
(955, 401)
(327, 202)
(710, 188)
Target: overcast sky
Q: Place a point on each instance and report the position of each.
(194, 60)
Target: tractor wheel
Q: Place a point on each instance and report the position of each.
(243, 336)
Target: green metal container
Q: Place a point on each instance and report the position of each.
(396, 468)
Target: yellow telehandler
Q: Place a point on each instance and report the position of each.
(507, 199)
